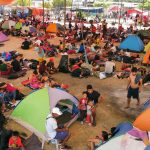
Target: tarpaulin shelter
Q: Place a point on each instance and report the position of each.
(6, 2)
(134, 11)
(18, 25)
(54, 28)
(8, 24)
(33, 110)
(36, 12)
(3, 37)
(132, 43)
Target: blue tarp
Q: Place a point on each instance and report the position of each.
(133, 43)
(92, 9)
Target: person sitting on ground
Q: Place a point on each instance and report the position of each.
(34, 81)
(98, 140)
(83, 107)
(5, 68)
(109, 67)
(51, 66)
(15, 142)
(76, 71)
(16, 64)
(42, 68)
(25, 45)
(54, 132)
(81, 49)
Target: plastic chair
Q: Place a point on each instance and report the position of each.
(53, 141)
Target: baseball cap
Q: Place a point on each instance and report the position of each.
(57, 111)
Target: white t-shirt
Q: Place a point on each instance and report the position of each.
(51, 126)
(109, 67)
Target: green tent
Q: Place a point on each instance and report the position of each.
(18, 25)
(33, 110)
(8, 24)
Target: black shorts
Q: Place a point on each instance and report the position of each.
(133, 93)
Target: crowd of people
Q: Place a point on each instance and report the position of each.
(91, 58)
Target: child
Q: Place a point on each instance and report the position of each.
(98, 140)
(83, 107)
(89, 113)
(15, 142)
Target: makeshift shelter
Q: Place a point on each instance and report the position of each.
(6, 2)
(8, 24)
(147, 47)
(3, 37)
(33, 110)
(54, 28)
(134, 11)
(132, 43)
(146, 59)
(144, 33)
(18, 25)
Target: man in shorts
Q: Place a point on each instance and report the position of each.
(134, 87)
(61, 134)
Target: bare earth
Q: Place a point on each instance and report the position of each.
(109, 113)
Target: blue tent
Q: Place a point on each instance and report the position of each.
(133, 43)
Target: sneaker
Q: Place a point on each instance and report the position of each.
(81, 122)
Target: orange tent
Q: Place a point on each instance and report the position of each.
(146, 59)
(142, 122)
(54, 28)
(5, 2)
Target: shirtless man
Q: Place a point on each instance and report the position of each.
(134, 87)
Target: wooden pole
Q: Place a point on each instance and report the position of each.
(64, 44)
(43, 11)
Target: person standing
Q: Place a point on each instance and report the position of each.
(134, 87)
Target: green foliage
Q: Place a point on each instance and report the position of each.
(101, 4)
(145, 6)
(60, 3)
(24, 2)
(47, 5)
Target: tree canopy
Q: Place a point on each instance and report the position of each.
(60, 3)
(24, 2)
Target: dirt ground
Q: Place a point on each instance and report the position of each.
(109, 113)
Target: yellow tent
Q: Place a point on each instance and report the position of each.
(54, 28)
(147, 47)
(146, 59)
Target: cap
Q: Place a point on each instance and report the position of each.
(57, 111)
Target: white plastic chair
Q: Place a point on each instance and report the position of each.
(53, 141)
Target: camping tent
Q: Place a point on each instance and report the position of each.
(117, 144)
(8, 24)
(54, 28)
(143, 121)
(133, 43)
(146, 59)
(3, 37)
(147, 47)
(33, 110)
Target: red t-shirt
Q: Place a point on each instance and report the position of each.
(83, 104)
(16, 142)
(10, 88)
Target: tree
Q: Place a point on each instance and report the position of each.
(101, 4)
(145, 6)
(47, 5)
(24, 2)
(60, 3)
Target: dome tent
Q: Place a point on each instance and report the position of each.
(33, 110)
(132, 43)
(3, 37)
